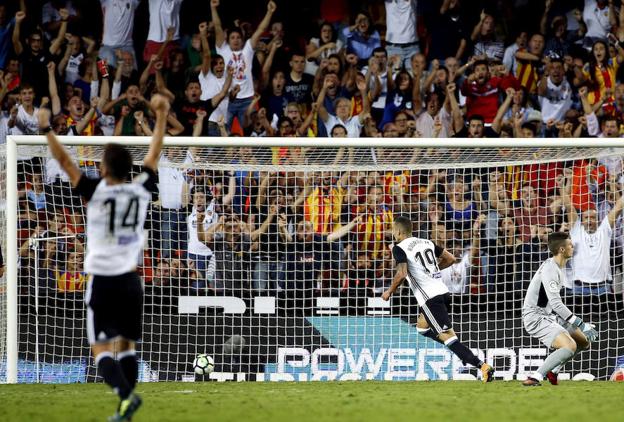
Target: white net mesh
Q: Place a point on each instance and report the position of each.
(286, 282)
(3, 310)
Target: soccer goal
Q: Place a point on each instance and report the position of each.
(271, 255)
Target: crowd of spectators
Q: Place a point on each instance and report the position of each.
(324, 68)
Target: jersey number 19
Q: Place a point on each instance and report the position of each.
(429, 261)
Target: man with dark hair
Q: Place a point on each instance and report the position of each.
(116, 214)
(238, 54)
(482, 91)
(34, 57)
(24, 122)
(420, 262)
(527, 130)
(545, 315)
(477, 129)
(133, 101)
(380, 72)
(186, 109)
(554, 91)
(610, 126)
(299, 84)
(117, 161)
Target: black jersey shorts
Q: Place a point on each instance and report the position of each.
(114, 307)
(435, 311)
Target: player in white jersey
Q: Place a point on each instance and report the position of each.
(420, 261)
(116, 213)
(544, 314)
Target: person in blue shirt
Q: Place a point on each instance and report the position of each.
(6, 31)
(362, 38)
(400, 95)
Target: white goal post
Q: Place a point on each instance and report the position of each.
(337, 346)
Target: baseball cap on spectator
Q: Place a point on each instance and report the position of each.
(534, 116)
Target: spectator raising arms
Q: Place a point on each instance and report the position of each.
(482, 90)
(321, 47)
(362, 38)
(238, 54)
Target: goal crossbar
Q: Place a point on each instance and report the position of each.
(333, 142)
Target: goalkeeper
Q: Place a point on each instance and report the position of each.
(544, 315)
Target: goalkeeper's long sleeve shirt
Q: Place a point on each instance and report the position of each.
(543, 293)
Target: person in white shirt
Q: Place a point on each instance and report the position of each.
(554, 92)
(164, 17)
(435, 109)
(321, 48)
(173, 190)
(212, 79)
(599, 16)
(343, 117)
(457, 276)
(402, 34)
(25, 121)
(591, 263)
(240, 57)
(199, 254)
(118, 28)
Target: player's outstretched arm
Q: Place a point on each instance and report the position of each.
(160, 105)
(57, 149)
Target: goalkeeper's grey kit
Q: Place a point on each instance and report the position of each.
(544, 314)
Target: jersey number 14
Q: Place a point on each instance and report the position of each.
(130, 216)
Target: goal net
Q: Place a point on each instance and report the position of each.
(3, 309)
(282, 280)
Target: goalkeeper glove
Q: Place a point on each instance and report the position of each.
(587, 329)
(590, 332)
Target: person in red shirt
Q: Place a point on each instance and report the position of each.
(529, 212)
(543, 177)
(585, 173)
(482, 91)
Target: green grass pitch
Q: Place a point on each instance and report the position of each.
(322, 401)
